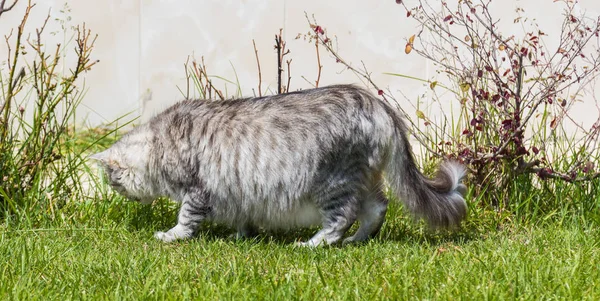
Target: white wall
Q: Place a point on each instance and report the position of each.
(143, 44)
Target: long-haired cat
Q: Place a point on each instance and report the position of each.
(317, 156)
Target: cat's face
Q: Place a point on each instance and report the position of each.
(125, 164)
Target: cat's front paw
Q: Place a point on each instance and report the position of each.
(164, 236)
(177, 232)
(170, 236)
(306, 244)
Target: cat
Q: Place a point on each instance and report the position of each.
(311, 157)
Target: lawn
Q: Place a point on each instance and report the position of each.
(105, 250)
(542, 244)
(65, 235)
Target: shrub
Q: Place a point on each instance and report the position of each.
(37, 162)
(515, 92)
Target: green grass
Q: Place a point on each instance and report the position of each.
(538, 242)
(112, 255)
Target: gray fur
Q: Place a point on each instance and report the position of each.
(316, 156)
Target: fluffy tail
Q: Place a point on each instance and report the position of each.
(438, 200)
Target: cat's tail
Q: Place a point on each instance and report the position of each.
(438, 200)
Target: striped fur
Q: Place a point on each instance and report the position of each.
(316, 156)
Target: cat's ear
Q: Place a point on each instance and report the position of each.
(103, 156)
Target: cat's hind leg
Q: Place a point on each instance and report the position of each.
(370, 216)
(192, 213)
(334, 227)
(338, 208)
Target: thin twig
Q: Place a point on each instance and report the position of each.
(279, 69)
(289, 70)
(318, 63)
(19, 77)
(545, 173)
(259, 73)
(3, 10)
(187, 78)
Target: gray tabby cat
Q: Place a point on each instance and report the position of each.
(311, 157)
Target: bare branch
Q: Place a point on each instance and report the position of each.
(204, 82)
(3, 9)
(280, 45)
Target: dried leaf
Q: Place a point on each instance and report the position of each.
(432, 85)
(411, 39)
(408, 48)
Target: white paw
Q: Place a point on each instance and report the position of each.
(163, 236)
(169, 236)
(175, 233)
(306, 244)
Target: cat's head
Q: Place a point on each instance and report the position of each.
(126, 166)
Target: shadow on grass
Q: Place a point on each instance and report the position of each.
(398, 228)
(410, 235)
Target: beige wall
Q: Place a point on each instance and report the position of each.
(143, 44)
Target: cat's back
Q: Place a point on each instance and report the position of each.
(312, 120)
(336, 98)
